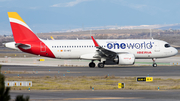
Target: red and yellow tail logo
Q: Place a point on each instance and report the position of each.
(25, 39)
(20, 29)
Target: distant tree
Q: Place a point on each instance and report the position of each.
(4, 93)
(21, 98)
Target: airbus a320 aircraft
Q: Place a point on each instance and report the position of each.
(107, 52)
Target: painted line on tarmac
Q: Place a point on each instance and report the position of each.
(98, 98)
(103, 98)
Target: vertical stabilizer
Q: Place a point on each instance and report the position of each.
(20, 29)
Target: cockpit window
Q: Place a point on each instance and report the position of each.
(167, 45)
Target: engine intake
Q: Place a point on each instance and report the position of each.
(121, 59)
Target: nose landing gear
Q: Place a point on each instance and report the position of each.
(154, 63)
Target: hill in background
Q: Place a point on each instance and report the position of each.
(171, 36)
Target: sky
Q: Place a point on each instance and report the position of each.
(59, 15)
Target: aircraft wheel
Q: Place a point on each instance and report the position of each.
(154, 65)
(100, 65)
(92, 64)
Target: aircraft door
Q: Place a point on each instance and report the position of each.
(42, 47)
(156, 47)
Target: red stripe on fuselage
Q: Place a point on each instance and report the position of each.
(25, 36)
(37, 49)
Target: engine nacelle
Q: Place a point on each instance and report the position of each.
(122, 59)
(125, 59)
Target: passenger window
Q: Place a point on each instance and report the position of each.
(167, 45)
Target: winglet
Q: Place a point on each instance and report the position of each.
(95, 43)
(52, 38)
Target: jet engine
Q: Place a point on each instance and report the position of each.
(122, 59)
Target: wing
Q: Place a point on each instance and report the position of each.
(104, 53)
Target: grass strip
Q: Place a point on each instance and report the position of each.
(97, 82)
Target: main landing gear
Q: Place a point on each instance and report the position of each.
(101, 65)
(92, 65)
(154, 63)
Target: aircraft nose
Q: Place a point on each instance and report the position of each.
(175, 51)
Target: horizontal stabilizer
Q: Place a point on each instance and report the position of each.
(23, 46)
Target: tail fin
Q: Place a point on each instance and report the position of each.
(20, 29)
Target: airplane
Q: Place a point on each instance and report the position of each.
(107, 52)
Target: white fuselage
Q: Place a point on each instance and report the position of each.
(85, 49)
